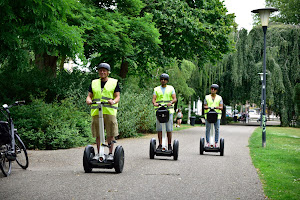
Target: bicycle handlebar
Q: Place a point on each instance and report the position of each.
(5, 106)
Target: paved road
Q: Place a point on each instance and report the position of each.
(59, 174)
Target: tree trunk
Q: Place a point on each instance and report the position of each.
(124, 68)
(46, 62)
(62, 62)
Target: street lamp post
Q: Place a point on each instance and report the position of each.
(261, 103)
(264, 14)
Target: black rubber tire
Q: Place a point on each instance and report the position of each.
(201, 145)
(119, 159)
(222, 147)
(88, 154)
(175, 149)
(152, 148)
(21, 153)
(5, 165)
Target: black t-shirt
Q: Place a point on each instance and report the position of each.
(117, 89)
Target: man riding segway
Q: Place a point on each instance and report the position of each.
(213, 101)
(105, 90)
(163, 99)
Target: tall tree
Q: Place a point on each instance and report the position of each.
(191, 29)
(41, 27)
(240, 81)
(289, 11)
(121, 36)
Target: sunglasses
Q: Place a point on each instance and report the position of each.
(164, 79)
(213, 88)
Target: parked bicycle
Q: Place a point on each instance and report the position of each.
(11, 146)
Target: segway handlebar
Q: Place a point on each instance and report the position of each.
(212, 108)
(101, 102)
(163, 105)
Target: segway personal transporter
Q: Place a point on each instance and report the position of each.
(212, 117)
(162, 115)
(103, 162)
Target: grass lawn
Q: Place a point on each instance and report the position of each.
(185, 126)
(278, 164)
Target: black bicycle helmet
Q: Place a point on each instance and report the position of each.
(164, 75)
(104, 65)
(214, 86)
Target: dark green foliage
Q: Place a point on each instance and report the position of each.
(191, 29)
(240, 81)
(52, 126)
(55, 114)
(289, 11)
(136, 113)
(36, 30)
(18, 85)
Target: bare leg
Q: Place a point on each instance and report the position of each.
(159, 133)
(169, 137)
(98, 143)
(109, 139)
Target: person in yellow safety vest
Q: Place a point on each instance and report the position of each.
(213, 100)
(107, 90)
(164, 94)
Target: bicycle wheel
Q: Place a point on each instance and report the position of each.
(5, 164)
(22, 158)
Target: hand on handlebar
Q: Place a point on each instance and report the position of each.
(156, 104)
(111, 102)
(169, 104)
(89, 102)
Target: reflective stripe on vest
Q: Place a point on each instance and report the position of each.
(164, 98)
(104, 96)
(211, 103)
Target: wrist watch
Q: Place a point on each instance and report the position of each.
(114, 102)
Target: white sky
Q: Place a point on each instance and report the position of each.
(242, 10)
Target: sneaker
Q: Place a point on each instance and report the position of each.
(169, 147)
(110, 156)
(159, 147)
(96, 157)
(178, 126)
(216, 145)
(207, 145)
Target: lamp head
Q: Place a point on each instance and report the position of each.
(264, 14)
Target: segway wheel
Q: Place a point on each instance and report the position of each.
(221, 147)
(88, 154)
(152, 148)
(119, 159)
(175, 149)
(201, 145)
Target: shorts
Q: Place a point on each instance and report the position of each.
(110, 125)
(169, 125)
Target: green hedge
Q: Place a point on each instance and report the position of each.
(56, 116)
(52, 126)
(136, 114)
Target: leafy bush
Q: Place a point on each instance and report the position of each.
(23, 85)
(136, 114)
(52, 126)
(229, 119)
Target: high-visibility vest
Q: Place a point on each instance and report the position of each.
(164, 98)
(104, 96)
(211, 103)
